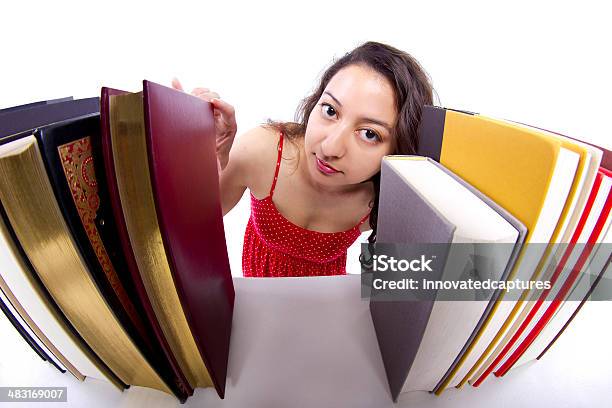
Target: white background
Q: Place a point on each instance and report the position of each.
(542, 63)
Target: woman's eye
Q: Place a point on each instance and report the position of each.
(369, 135)
(328, 110)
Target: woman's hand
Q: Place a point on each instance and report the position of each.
(225, 121)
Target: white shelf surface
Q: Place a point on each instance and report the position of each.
(310, 343)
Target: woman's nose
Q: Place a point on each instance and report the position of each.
(334, 144)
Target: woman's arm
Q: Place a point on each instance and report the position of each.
(233, 178)
(251, 157)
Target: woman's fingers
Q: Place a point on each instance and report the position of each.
(223, 106)
(176, 84)
(199, 91)
(207, 95)
(204, 93)
(220, 107)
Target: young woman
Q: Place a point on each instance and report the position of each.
(314, 183)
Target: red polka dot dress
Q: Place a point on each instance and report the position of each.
(275, 247)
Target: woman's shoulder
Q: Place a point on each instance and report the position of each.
(255, 151)
(256, 145)
(259, 139)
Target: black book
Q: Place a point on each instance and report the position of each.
(72, 154)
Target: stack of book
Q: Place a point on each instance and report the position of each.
(114, 262)
(542, 196)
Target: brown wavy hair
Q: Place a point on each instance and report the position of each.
(412, 88)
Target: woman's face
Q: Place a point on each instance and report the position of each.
(350, 128)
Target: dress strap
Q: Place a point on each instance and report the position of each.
(363, 219)
(278, 162)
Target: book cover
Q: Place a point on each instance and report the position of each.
(400, 326)
(184, 125)
(20, 120)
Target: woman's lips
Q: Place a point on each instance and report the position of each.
(324, 167)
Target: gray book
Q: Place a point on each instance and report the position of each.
(420, 203)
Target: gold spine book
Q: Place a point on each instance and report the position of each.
(27, 196)
(136, 193)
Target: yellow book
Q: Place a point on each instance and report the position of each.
(524, 171)
(29, 202)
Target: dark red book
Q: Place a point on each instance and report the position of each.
(181, 149)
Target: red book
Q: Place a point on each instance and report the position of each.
(555, 275)
(557, 301)
(181, 148)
